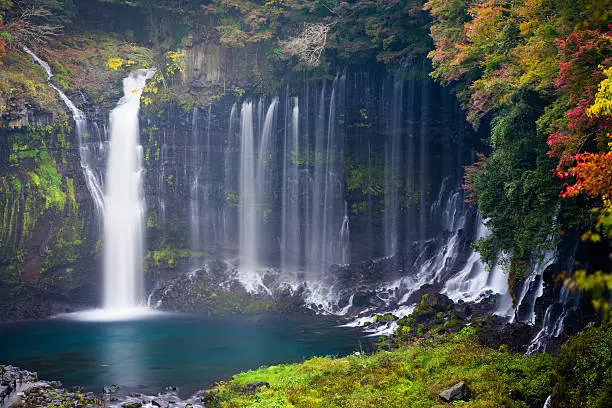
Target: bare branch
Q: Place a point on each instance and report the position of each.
(309, 44)
(23, 30)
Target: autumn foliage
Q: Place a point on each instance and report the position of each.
(539, 73)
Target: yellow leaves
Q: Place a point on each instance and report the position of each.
(175, 60)
(603, 99)
(114, 63)
(598, 285)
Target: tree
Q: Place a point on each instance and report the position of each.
(309, 44)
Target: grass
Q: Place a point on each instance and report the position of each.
(410, 376)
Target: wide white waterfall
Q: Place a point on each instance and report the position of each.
(121, 204)
(124, 207)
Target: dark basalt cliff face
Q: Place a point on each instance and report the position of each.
(49, 233)
(52, 236)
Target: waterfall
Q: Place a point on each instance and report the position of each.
(554, 317)
(345, 237)
(264, 176)
(290, 250)
(316, 244)
(161, 182)
(532, 289)
(554, 320)
(248, 202)
(423, 158)
(325, 189)
(194, 190)
(124, 201)
(228, 179)
(211, 216)
(86, 150)
(392, 168)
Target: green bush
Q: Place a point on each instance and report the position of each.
(583, 376)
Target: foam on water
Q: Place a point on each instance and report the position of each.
(114, 315)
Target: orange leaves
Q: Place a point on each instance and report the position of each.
(593, 175)
(581, 142)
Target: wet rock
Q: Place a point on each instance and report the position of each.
(458, 392)
(438, 302)
(496, 331)
(161, 403)
(462, 311)
(362, 299)
(111, 389)
(132, 404)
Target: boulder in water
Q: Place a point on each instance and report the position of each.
(132, 404)
(111, 389)
(161, 403)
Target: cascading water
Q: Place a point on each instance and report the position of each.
(87, 150)
(392, 169)
(265, 174)
(229, 185)
(345, 237)
(532, 289)
(424, 158)
(194, 195)
(290, 250)
(248, 202)
(327, 189)
(124, 202)
(554, 320)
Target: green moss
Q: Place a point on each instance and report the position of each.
(166, 257)
(232, 301)
(152, 220)
(410, 376)
(387, 317)
(70, 191)
(232, 198)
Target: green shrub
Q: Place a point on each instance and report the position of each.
(583, 375)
